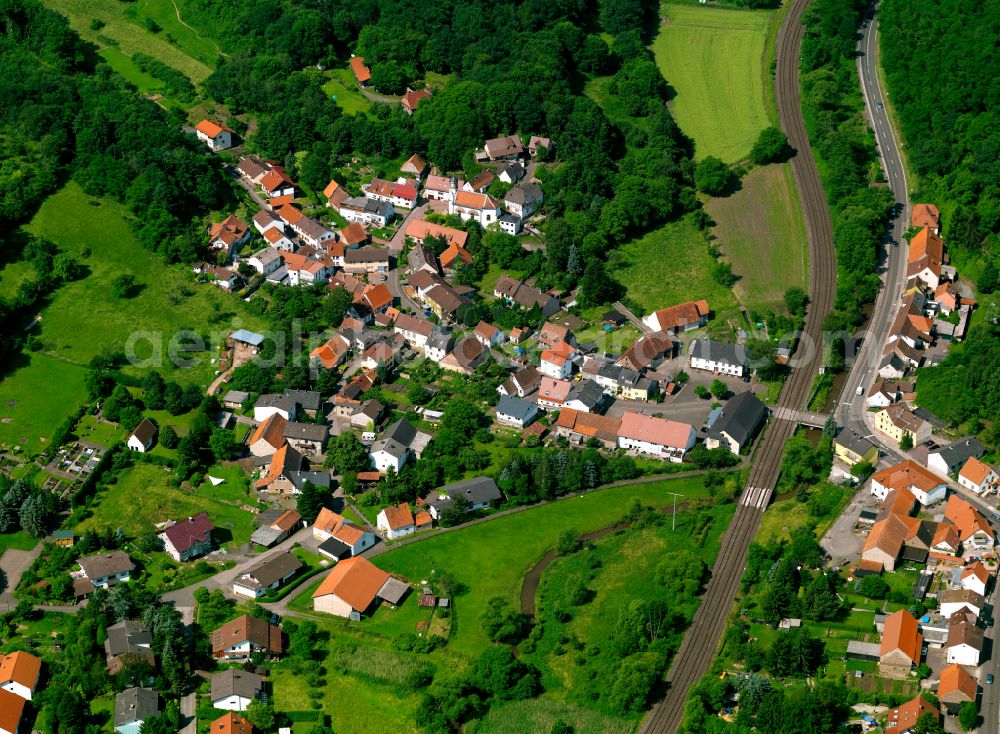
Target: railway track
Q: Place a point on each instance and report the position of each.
(702, 639)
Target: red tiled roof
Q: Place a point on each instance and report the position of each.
(902, 633)
(209, 128)
(661, 431)
(398, 516)
(412, 98)
(20, 667)
(361, 72)
(355, 580)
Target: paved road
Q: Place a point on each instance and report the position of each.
(851, 410)
(222, 580)
(702, 639)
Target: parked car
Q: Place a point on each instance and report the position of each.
(989, 678)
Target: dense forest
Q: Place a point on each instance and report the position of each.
(64, 115)
(834, 114)
(613, 181)
(953, 141)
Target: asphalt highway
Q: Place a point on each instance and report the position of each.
(702, 639)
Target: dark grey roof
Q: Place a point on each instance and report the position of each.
(299, 478)
(740, 417)
(136, 704)
(269, 516)
(928, 416)
(271, 570)
(440, 340)
(106, 564)
(477, 490)
(527, 378)
(420, 256)
(516, 408)
(514, 170)
(311, 228)
(717, 351)
(127, 636)
(958, 453)
(235, 396)
(334, 548)
(402, 432)
(393, 590)
(854, 441)
(274, 400)
(524, 192)
(235, 682)
(306, 431)
(363, 203)
(308, 399)
(587, 392)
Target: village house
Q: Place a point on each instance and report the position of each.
(947, 460)
(224, 278)
(897, 420)
(276, 183)
(953, 601)
(522, 383)
(331, 354)
(416, 331)
(411, 100)
(228, 235)
(977, 476)
(12, 712)
(366, 211)
(252, 169)
(557, 361)
(367, 260)
(524, 199)
(657, 437)
(965, 640)
(421, 258)
(335, 194)
(240, 638)
(903, 719)
(276, 240)
(276, 524)
(506, 148)
(125, 639)
(579, 427)
(509, 224)
(925, 258)
(234, 689)
(647, 351)
(264, 220)
(361, 72)
(439, 188)
(269, 436)
(269, 259)
(737, 422)
(453, 256)
(215, 136)
(331, 526)
(395, 447)
(133, 706)
(278, 477)
(584, 395)
(414, 165)
(974, 577)
(353, 586)
(467, 355)
(925, 486)
(308, 438)
(481, 208)
(270, 404)
(884, 393)
(926, 215)
(19, 673)
(896, 535)
(717, 357)
(142, 438)
(539, 146)
(956, 685)
(680, 318)
(513, 291)
(230, 723)
(188, 538)
(479, 493)
(514, 411)
(105, 569)
(401, 196)
(853, 448)
(480, 183)
(552, 334)
(398, 521)
(901, 645)
(974, 530)
(266, 576)
(439, 345)
(511, 173)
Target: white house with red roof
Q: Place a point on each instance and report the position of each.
(488, 335)
(214, 135)
(398, 521)
(659, 437)
(975, 577)
(977, 475)
(400, 195)
(188, 538)
(329, 525)
(19, 673)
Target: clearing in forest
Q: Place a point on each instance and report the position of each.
(714, 60)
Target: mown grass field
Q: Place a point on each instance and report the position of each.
(142, 496)
(36, 398)
(714, 60)
(761, 232)
(349, 98)
(492, 558)
(84, 317)
(130, 38)
(668, 266)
